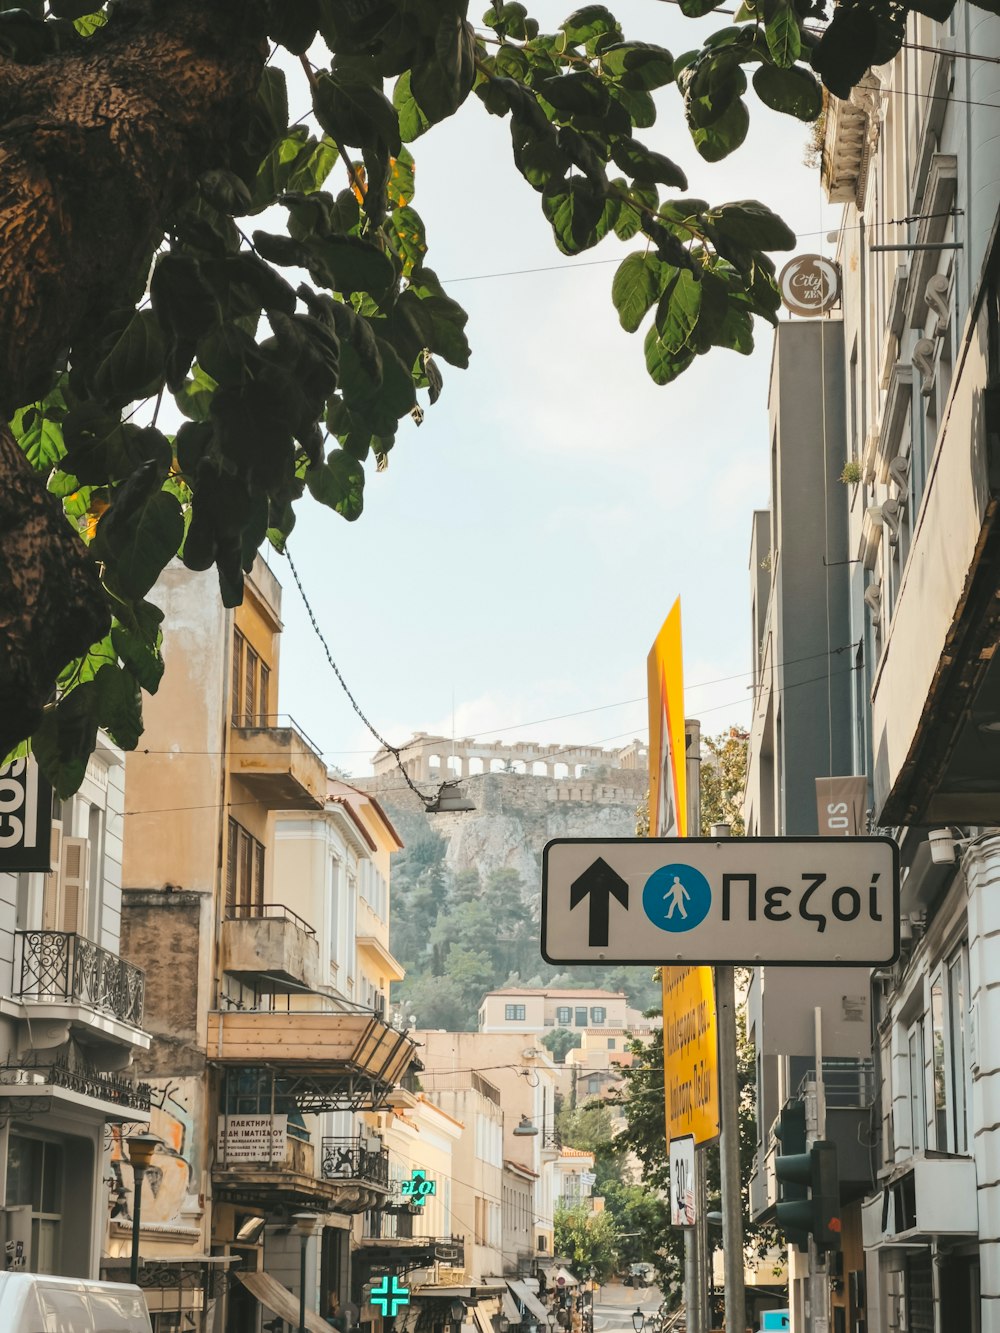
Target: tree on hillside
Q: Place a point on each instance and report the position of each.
(142, 143)
(559, 1042)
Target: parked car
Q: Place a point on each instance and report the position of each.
(38, 1303)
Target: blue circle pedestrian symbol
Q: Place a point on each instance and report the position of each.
(676, 897)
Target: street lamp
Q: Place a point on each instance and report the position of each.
(638, 1320)
(140, 1153)
(305, 1225)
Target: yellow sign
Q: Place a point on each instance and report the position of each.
(690, 1049)
(690, 1053)
(667, 769)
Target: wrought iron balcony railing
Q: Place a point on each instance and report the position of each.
(355, 1159)
(57, 965)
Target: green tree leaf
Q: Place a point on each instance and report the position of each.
(139, 544)
(784, 34)
(723, 136)
(794, 91)
(638, 284)
(574, 208)
(133, 362)
(339, 483)
(753, 224)
(588, 22)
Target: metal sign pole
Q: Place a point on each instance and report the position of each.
(729, 1152)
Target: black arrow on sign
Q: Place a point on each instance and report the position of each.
(600, 884)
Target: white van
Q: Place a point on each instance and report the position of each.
(37, 1303)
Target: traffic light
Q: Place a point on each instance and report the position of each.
(793, 1169)
(810, 1202)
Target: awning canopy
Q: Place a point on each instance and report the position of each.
(281, 1301)
(482, 1320)
(510, 1308)
(530, 1302)
(568, 1280)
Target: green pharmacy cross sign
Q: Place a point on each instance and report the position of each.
(418, 1187)
(390, 1294)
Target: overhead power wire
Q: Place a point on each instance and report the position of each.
(555, 717)
(568, 749)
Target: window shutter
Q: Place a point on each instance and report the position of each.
(73, 885)
(265, 690)
(258, 878)
(50, 893)
(250, 697)
(232, 849)
(237, 710)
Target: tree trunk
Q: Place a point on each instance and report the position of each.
(96, 145)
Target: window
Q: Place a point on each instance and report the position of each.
(611, 1043)
(915, 1064)
(514, 1013)
(940, 1074)
(949, 1046)
(250, 685)
(244, 873)
(957, 1019)
(564, 1015)
(598, 1015)
(35, 1169)
(581, 1018)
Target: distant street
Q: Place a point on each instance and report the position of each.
(615, 1305)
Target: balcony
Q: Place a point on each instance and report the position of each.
(928, 1198)
(288, 1180)
(270, 948)
(278, 763)
(358, 1169)
(328, 1059)
(44, 1081)
(64, 981)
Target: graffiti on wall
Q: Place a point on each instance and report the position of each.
(170, 1185)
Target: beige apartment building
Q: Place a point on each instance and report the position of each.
(536, 1010)
(255, 895)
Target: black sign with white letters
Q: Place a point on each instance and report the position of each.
(25, 818)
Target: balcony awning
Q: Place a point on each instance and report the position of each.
(327, 1059)
(530, 1302)
(281, 1301)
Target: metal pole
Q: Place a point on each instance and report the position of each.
(729, 1151)
(819, 1282)
(729, 1143)
(690, 1281)
(302, 1286)
(694, 1238)
(701, 1237)
(138, 1172)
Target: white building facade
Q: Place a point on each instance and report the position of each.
(915, 159)
(71, 1012)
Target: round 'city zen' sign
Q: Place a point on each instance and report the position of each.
(809, 285)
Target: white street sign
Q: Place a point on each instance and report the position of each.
(780, 901)
(683, 1211)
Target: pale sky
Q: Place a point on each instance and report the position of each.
(527, 541)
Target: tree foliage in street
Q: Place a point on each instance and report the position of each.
(723, 777)
(642, 1101)
(146, 148)
(587, 1239)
